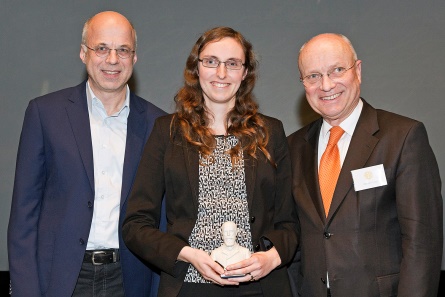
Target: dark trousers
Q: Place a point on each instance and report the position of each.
(250, 289)
(99, 281)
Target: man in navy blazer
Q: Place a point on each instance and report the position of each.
(78, 154)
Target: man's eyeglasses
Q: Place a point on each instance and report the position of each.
(231, 64)
(333, 74)
(104, 51)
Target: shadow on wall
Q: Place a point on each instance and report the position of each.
(132, 83)
(304, 111)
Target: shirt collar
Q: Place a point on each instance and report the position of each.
(91, 96)
(348, 125)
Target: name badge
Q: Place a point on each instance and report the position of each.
(369, 177)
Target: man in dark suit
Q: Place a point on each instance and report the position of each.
(78, 154)
(375, 227)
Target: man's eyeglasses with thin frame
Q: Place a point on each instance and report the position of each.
(335, 73)
(231, 64)
(104, 51)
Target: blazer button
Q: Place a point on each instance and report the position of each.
(327, 235)
(90, 204)
(252, 219)
(81, 241)
(323, 281)
(257, 248)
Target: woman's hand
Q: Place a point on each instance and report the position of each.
(257, 266)
(205, 265)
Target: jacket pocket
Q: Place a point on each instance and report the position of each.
(388, 285)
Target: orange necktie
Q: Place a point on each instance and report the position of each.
(330, 168)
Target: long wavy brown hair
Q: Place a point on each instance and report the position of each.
(243, 121)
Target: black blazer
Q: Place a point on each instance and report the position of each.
(169, 166)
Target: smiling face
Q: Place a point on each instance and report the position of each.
(108, 75)
(219, 85)
(335, 99)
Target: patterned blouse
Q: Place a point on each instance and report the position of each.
(222, 198)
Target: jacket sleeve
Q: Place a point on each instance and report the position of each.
(27, 197)
(140, 229)
(283, 236)
(419, 208)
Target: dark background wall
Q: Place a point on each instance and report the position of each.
(401, 44)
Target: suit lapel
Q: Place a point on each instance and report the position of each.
(250, 171)
(191, 159)
(310, 171)
(362, 144)
(77, 111)
(136, 131)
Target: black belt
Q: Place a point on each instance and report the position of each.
(100, 257)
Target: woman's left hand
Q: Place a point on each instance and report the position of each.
(257, 266)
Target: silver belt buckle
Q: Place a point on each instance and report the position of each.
(98, 253)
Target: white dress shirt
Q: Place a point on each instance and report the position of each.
(108, 136)
(348, 125)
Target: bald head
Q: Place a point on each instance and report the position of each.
(107, 18)
(324, 43)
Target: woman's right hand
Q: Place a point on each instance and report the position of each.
(205, 265)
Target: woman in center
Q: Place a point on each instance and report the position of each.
(216, 159)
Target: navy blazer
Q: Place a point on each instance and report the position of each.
(53, 196)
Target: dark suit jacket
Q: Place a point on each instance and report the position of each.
(384, 241)
(171, 166)
(53, 196)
